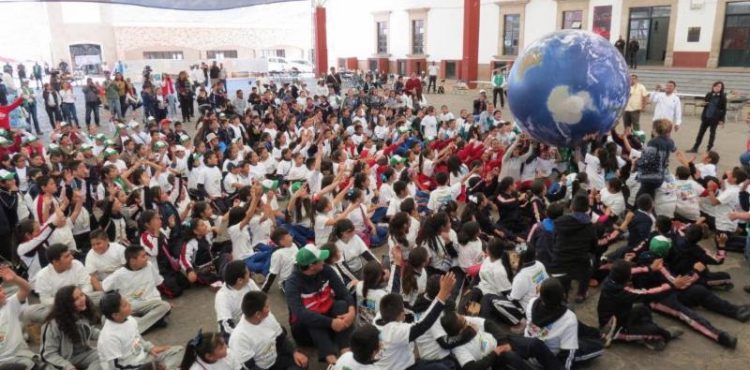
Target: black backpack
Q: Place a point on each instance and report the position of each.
(651, 165)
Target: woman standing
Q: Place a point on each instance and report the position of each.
(185, 95)
(122, 89)
(69, 104)
(713, 115)
(69, 330)
(52, 103)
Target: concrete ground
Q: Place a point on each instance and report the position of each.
(194, 310)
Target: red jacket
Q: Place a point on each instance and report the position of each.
(5, 112)
(413, 84)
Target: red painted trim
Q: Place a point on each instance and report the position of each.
(695, 59)
(469, 67)
(321, 42)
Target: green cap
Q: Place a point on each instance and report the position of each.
(396, 159)
(108, 152)
(310, 254)
(269, 184)
(6, 175)
(296, 185)
(660, 245)
(4, 133)
(184, 138)
(52, 147)
(160, 144)
(29, 139)
(640, 135)
(100, 137)
(5, 142)
(84, 147)
(109, 142)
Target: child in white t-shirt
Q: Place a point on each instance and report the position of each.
(104, 257)
(374, 286)
(364, 345)
(526, 282)
(13, 349)
(258, 341)
(207, 351)
(726, 202)
(120, 344)
(689, 194)
(495, 286)
(552, 322)
(282, 259)
(228, 301)
(137, 281)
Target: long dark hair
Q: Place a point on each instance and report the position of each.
(430, 229)
(372, 277)
(64, 314)
(722, 87)
(198, 347)
(397, 226)
(339, 228)
(417, 258)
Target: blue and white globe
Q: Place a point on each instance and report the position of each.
(568, 85)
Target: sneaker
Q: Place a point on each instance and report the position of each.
(692, 150)
(674, 332)
(726, 340)
(654, 345)
(743, 314)
(608, 331)
(724, 287)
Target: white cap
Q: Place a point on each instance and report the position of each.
(210, 136)
(179, 148)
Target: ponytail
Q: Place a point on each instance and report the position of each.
(417, 258)
(200, 346)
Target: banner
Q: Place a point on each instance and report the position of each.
(177, 5)
(602, 21)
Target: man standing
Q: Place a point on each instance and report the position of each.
(333, 80)
(432, 71)
(498, 80)
(91, 96)
(7, 68)
(636, 102)
(30, 105)
(37, 72)
(667, 104)
(633, 47)
(620, 45)
(113, 97)
(21, 71)
(214, 73)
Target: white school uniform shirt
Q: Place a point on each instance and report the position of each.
(559, 335)
(48, 281)
(526, 282)
(122, 342)
(427, 344)
(442, 195)
(256, 342)
(347, 362)
(106, 263)
(729, 201)
(298, 173)
(322, 231)
(481, 345)
(260, 231)
(135, 285)
(396, 349)
(706, 169)
(212, 181)
(615, 201)
(394, 205)
(595, 171)
(368, 307)
(10, 323)
(228, 302)
(195, 177)
(242, 246)
(493, 279)
(429, 127)
(667, 107)
(226, 363)
(688, 198)
(411, 298)
(351, 252)
(470, 254)
(282, 263)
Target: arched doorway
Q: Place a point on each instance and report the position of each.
(87, 58)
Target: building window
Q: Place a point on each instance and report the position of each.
(221, 54)
(735, 44)
(511, 32)
(572, 19)
(417, 36)
(451, 69)
(382, 31)
(174, 55)
(273, 53)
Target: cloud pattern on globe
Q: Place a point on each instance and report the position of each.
(567, 85)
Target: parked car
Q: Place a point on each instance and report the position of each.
(277, 65)
(300, 66)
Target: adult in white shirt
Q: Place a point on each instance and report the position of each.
(62, 270)
(667, 104)
(429, 124)
(432, 72)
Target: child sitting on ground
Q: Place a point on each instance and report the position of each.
(228, 301)
(104, 258)
(137, 281)
(120, 344)
(282, 258)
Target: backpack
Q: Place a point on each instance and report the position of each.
(650, 165)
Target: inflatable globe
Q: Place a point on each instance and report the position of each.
(568, 85)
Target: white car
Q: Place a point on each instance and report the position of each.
(300, 66)
(277, 65)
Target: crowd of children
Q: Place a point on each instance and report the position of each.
(485, 232)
